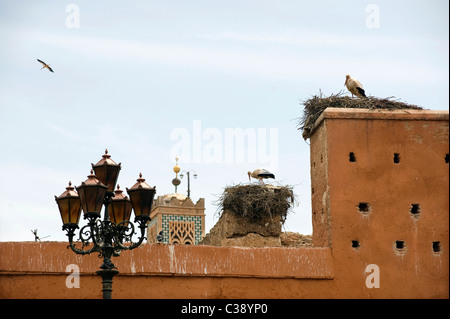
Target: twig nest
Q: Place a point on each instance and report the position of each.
(256, 202)
(318, 103)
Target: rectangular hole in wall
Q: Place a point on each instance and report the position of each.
(351, 157)
(446, 158)
(355, 244)
(364, 208)
(399, 244)
(396, 158)
(436, 247)
(415, 210)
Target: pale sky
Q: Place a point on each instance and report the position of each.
(148, 79)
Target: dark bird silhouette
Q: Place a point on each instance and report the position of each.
(45, 65)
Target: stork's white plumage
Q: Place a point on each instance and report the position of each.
(260, 174)
(45, 65)
(354, 87)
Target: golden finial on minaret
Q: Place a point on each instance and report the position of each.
(176, 181)
(176, 168)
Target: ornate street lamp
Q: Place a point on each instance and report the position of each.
(120, 207)
(107, 171)
(188, 180)
(92, 192)
(141, 194)
(107, 237)
(69, 207)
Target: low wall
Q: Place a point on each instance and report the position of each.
(39, 270)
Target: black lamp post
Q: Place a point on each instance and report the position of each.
(114, 233)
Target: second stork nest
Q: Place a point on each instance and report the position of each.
(318, 103)
(257, 201)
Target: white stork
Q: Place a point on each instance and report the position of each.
(354, 87)
(259, 174)
(45, 65)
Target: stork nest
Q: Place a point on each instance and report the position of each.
(318, 103)
(257, 201)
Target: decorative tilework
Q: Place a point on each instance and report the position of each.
(182, 218)
(181, 232)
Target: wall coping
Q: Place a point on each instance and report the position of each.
(381, 114)
(173, 260)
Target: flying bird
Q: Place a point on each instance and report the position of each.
(354, 87)
(45, 65)
(260, 174)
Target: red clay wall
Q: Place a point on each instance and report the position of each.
(333, 268)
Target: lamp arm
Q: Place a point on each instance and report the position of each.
(128, 233)
(84, 236)
(81, 251)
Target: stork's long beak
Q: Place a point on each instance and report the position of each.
(345, 82)
(249, 177)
